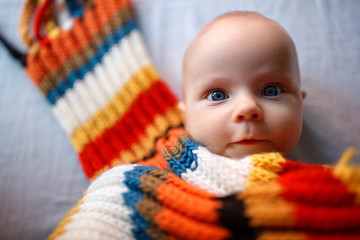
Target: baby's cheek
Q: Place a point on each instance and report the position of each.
(195, 127)
(201, 132)
(288, 132)
(204, 133)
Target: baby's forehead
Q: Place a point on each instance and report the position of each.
(237, 19)
(228, 25)
(227, 29)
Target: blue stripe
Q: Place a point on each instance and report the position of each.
(133, 196)
(75, 9)
(188, 159)
(79, 74)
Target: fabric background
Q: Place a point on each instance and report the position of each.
(40, 177)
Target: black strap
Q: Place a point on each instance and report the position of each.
(21, 57)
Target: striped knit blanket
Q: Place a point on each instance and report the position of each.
(194, 194)
(123, 122)
(95, 72)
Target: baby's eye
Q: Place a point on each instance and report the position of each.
(217, 95)
(271, 91)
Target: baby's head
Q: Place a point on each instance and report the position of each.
(241, 87)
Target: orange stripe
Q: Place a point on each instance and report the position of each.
(188, 188)
(177, 225)
(80, 31)
(35, 69)
(63, 45)
(192, 206)
(161, 144)
(155, 161)
(84, 29)
(49, 60)
(105, 11)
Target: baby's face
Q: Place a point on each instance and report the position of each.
(242, 89)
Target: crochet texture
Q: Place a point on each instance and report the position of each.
(93, 69)
(101, 84)
(200, 195)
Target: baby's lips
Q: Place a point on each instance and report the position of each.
(249, 141)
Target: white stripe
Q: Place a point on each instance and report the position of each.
(118, 214)
(217, 174)
(120, 66)
(139, 48)
(85, 95)
(98, 87)
(99, 225)
(103, 213)
(112, 177)
(76, 105)
(113, 75)
(109, 194)
(63, 112)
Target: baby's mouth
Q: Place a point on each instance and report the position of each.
(249, 141)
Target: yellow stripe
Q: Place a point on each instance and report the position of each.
(266, 208)
(113, 111)
(146, 143)
(60, 229)
(281, 235)
(266, 168)
(349, 174)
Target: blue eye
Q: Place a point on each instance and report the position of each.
(271, 91)
(217, 95)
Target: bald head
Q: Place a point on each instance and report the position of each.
(246, 24)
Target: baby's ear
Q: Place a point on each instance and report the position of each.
(303, 95)
(181, 106)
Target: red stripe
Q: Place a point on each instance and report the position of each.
(39, 18)
(86, 165)
(130, 128)
(96, 162)
(335, 236)
(315, 186)
(327, 218)
(290, 166)
(322, 202)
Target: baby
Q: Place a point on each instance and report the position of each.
(241, 86)
(242, 96)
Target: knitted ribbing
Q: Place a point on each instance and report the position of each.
(301, 202)
(95, 73)
(102, 86)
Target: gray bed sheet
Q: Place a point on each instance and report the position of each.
(40, 177)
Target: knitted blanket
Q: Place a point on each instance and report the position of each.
(122, 119)
(190, 193)
(94, 70)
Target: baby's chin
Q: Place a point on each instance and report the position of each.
(238, 152)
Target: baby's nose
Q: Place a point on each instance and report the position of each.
(247, 109)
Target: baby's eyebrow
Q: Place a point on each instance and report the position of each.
(211, 84)
(274, 76)
(218, 80)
